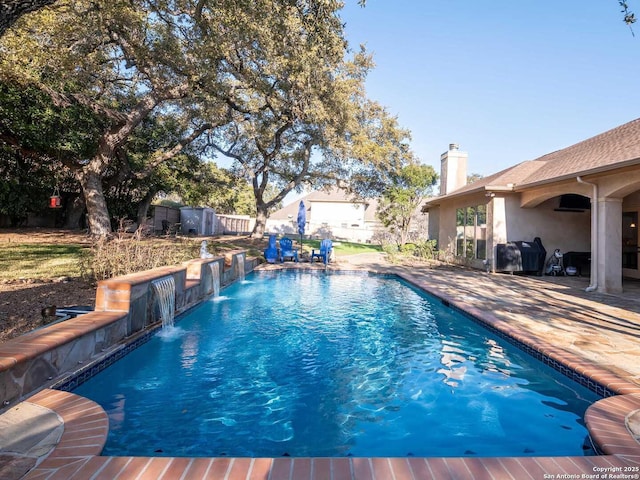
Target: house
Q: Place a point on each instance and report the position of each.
(584, 198)
(329, 214)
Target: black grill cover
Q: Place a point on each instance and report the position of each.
(521, 256)
(508, 257)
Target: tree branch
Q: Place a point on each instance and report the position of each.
(172, 152)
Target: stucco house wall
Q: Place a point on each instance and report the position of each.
(344, 215)
(568, 231)
(434, 225)
(631, 202)
(523, 203)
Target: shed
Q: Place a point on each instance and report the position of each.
(162, 213)
(198, 221)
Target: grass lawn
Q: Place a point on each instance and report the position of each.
(52, 260)
(343, 248)
(39, 261)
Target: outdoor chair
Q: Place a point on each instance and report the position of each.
(326, 247)
(271, 253)
(287, 250)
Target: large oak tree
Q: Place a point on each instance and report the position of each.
(12, 10)
(124, 61)
(267, 80)
(273, 71)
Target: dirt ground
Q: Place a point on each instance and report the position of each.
(22, 302)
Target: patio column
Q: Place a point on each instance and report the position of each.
(496, 227)
(609, 245)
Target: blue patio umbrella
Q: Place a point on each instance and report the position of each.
(302, 220)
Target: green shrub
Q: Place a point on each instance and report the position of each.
(408, 249)
(426, 250)
(390, 248)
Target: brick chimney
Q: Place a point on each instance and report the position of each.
(453, 169)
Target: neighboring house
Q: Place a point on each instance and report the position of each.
(584, 198)
(329, 214)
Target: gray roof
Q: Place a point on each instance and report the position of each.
(289, 209)
(331, 196)
(610, 150)
(607, 151)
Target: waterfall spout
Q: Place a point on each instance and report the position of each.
(240, 267)
(165, 296)
(215, 278)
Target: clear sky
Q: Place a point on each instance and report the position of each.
(507, 80)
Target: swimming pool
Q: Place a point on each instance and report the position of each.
(313, 364)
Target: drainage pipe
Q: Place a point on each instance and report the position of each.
(594, 236)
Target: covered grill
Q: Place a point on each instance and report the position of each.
(521, 256)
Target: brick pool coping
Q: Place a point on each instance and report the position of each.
(77, 455)
(86, 428)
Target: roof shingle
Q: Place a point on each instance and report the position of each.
(605, 151)
(612, 149)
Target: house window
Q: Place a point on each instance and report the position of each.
(481, 232)
(460, 222)
(471, 232)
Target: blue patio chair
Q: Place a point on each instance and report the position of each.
(326, 246)
(287, 250)
(271, 253)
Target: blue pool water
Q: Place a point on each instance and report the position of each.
(311, 364)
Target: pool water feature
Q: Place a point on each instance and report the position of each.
(215, 278)
(240, 271)
(316, 364)
(164, 290)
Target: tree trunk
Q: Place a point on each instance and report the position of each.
(403, 236)
(98, 213)
(404, 232)
(90, 175)
(261, 220)
(143, 207)
(75, 210)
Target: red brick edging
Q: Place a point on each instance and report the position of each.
(86, 426)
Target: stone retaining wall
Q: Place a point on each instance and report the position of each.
(125, 307)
